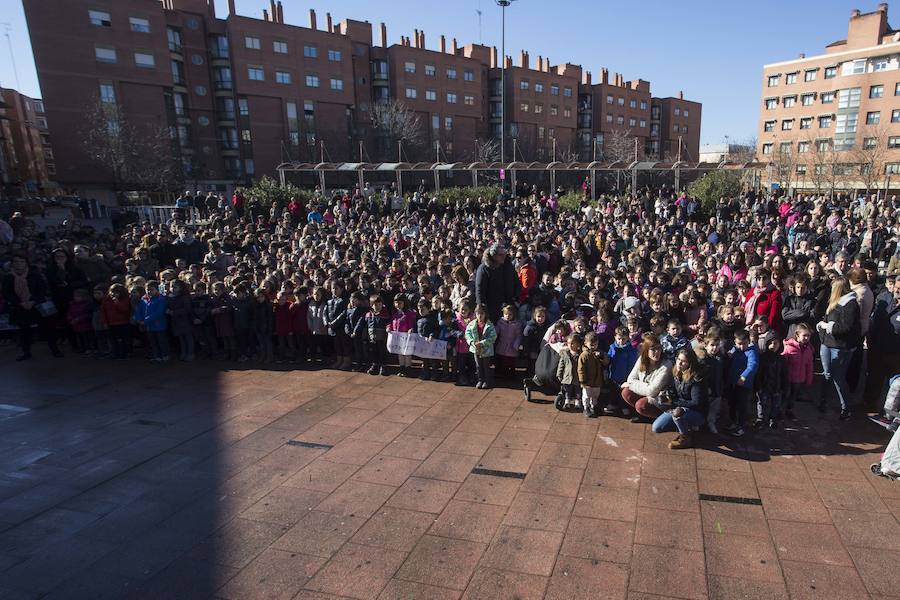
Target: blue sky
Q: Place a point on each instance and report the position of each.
(712, 50)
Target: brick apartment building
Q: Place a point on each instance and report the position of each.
(832, 121)
(27, 164)
(239, 95)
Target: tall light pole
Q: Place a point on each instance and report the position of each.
(503, 4)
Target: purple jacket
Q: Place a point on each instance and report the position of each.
(509, 338)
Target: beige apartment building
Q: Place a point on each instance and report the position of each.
(831, 122)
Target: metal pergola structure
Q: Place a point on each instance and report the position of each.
(507, 169)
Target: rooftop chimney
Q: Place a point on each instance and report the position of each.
(328, 22)
(854, 13)
(681, 95)
(509, 63)
(802, 55)
(265, 15)
(443, 45)
(312, 19)
(455, 47)
(882, 7)
(273, 11)
(604, 75)
(587, 78)
(415, 38)
(422, 39)
(523, 59)
(383, 35)
(280, 12)
(494, 62)
(231, 9)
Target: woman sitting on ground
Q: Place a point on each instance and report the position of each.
(689, 399)
(649, 377)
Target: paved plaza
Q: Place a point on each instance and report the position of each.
(130, 480)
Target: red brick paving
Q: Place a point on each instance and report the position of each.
(131, 480)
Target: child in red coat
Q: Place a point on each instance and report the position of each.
(80, 318)
(284, 326)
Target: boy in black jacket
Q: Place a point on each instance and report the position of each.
(262, 324)
(771, 384)
(355, 328)
(335, 321)
(377, 320)
(428, 326)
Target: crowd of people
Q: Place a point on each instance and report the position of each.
(649, 305)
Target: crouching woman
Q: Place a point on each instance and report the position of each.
(689, 398)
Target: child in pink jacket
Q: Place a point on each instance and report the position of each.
(798, 355)
(509, 338)
(403, 321)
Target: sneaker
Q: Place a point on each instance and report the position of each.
(845, 414)
(757, 423)
(568, 405)
(372, 370)
(639, 419)
(737, 431)
(578, 405)
(382, 371)
(773, 424)
(479, 385)
(526, 385)
(610, 411)
(681, 442)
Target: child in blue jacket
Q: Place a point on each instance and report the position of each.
(742, 367)
(152, 317)
(622, 356)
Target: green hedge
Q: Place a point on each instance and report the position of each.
(452, 194)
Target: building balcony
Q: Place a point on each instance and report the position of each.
(183, 119)
(180, 87)
(223, 92)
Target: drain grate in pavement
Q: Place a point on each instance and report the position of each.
(153, 423)
(495, 473)
(309, 445)
(731, 499)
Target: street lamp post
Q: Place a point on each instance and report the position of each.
(503, 4)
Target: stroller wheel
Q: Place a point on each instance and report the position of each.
(560, 402)
(876, 469)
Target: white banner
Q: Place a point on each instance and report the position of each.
(413, 344)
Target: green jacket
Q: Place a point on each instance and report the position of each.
(567, 371)
(488, 337)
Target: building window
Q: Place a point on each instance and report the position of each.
(894, 141)
(830, 72)
(876, 91)
(787, 124)
(337, 84)
(609, 118)
(806, 122)
(790, 78)
(334, 55)
(824, 121)
(788, 101)
(827, 97)
(431, 95)
(854, 67)
(554, 110)
(435, 121)
(567, 92)
(144, 59)
(809, 75)
(677, 112)
(773, 80)
(430, 71)
(409, 67)
(632, 122)
(523, 107)
(895, 115)
(249, 167)
(451, 97)
(469, 100)
(251, 42)
(643, 105)
(174, 38)
(869, 143)
(246, 137)
(846, 123)
(411, 93)
(892, 168)
(807, 99)
(621, 102)
(784, 147)
(312, 81)
(767, 149)
(802, 147)
(771, 103)
(897, 89)
(873, 118)
(448, 123)
(540, 133)
(684, 112)
(468, 75)
(283, 77)
(523, 84)
(256, 73)
(100, 18)
(107, 55)
(538, 108)
(632, 103)
(139, 24)
(310, 51)
(552, 132)
(108, 93)
(849, 97)
(801, 170)
(610, 99)
(279, 47)
(643, 124)
(620, 120)
(769, 126)
(243, 107)
(554, 89)
(567, 113)
(538, 87)
(823, 145)
(451, 73)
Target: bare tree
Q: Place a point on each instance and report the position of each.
(618, 145)
(870, 156)
(566, 156)
(783, 163)
(140, 156)
(397, 124)
(487, 150)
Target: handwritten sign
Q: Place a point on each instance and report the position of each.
(413, 344)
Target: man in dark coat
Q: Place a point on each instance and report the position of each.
(495, 280)
(25, 291)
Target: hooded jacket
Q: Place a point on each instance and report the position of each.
(799, 361)
(846, 331)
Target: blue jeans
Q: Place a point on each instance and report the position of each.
(686, 423)
(835, 362)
